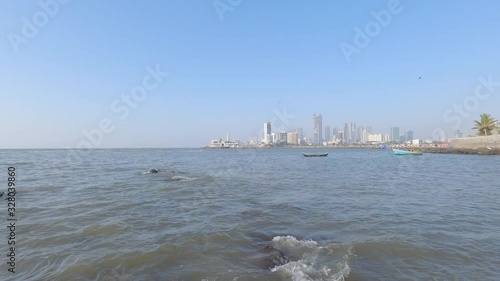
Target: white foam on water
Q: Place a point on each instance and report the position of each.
(311, 260)
(292, 242)
(182, 178)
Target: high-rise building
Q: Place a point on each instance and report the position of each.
(300, 131)
(347, 134)
(394, 134)
(292, 137)
(402, 138)
(354, 133)
(359, 134)
(327, 133)
(317, 129)
(267, 133)
(335, 134)
(365, 135)
(374, 138)
(409, 135)
(387, 138)
(283, 136)
(369, 129)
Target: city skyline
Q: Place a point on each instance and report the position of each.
(351, 134)
(154, 77)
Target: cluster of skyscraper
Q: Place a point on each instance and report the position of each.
(350, 134)
(364, 134)
(289, 137)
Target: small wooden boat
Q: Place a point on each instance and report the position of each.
(315, 155)
(407, 152)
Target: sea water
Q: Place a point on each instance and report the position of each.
(211, 214)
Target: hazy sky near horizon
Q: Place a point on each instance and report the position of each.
(233, 70)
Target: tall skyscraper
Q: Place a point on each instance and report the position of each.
(267, 133)
(402, 138)
(409, 135)
(369, 129)
(300, 132)
(292, 137)
(354, 133)
(283, 136)
(317, 129)
(327, 133)
(394, 134)
(347, 134)
(335, 134)
(360, 134)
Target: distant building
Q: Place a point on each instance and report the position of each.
(327, 134)
(456, 134)
(409, 135)
(375, 138)
(282, 137)
(292, 137)
(364, 138)
(359, 137)
(267, 133)
(354, 133)
(300, 131)
(369, 129)
(394, 135)
(439, 136)
(416, 142)
(346, 138)
(335, 134)
(402, 138)
(317, 129)
(387, 138)
(224, 143)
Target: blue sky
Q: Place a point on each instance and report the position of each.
(232, 73)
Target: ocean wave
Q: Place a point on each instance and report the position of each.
(312, 261)
(100, 230)
(182, 178)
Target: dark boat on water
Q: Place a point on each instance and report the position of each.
(315, 155)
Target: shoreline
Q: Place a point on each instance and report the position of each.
(435, 150)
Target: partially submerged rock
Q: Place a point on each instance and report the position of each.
(270, 257)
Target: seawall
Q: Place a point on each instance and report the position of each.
(477, 142)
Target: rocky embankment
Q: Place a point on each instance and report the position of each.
(483, 145)
(454, 150)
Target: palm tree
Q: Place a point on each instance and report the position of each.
(486, 125)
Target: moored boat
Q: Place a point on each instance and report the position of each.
(407, 152)
(315, 155)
